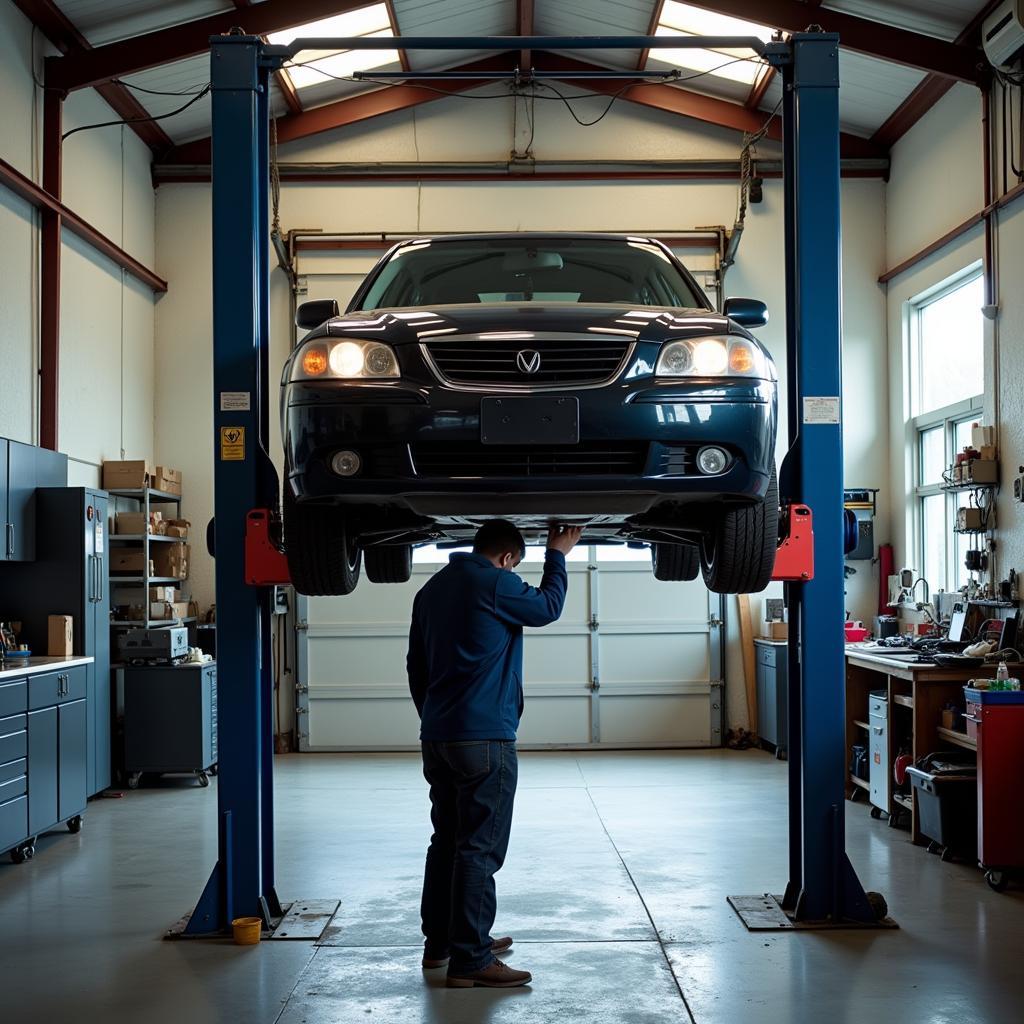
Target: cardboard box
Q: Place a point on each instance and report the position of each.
(177, 528)
(969, 519)
(982, 437)
(167, 480)
(126, 476)
(164, 593)
(987, 453)
(137, 523)
(60, 637)
(129, 562)
(169, 609)
(171, 560)
(979, 471)
(774, 630)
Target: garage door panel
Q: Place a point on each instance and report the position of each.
(555, 720)
(556, 659)
(629, 596)
(682, 719)
(359, 722)
(664, 657)
(366, 660)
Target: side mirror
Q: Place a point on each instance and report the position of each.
(746, 312)
(312, 314)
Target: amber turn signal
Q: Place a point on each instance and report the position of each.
(314, 361)
(741, 359)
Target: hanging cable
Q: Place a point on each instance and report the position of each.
(137, 120)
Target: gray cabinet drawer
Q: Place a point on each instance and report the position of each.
(13, 738)
(13, 697)
(18, 786)
(51, 688)
(13, 822)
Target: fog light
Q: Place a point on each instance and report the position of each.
(712, 460)
(346, 463)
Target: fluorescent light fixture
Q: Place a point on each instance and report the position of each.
(314, 67)
(682, 19)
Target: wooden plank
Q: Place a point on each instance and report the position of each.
(749, 664)
(958, 739)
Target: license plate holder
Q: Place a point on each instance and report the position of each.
(533, 420)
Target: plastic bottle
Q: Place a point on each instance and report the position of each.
(1002, 675)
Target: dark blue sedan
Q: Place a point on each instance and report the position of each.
(572, 377)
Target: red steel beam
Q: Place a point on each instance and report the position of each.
(524, 27)
(55, 25)
(652, 28)
(127, 56)
(25, 188)
(760, 87)
(354, 109)
(898, 45)
(403, 57)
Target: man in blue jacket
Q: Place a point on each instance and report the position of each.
(466, 677)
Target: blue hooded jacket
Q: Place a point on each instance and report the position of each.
(466, 645)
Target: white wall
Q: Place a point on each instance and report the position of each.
(106, 357)
(464, 129)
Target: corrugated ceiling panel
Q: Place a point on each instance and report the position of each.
(103, 21)
(869, 91)
(452, 18)
(942, 18)
(598, 18)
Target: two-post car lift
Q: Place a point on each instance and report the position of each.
(823, 887)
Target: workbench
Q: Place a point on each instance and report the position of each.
(917, 693)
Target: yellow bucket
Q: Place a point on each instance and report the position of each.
(247, 930)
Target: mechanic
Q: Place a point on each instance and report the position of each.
(466, 677)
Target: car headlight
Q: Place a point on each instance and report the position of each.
(348, 359)
(712, 357)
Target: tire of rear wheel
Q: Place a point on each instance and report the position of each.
(388, 564)
(737, 555)
(322, 561)
(675, 561)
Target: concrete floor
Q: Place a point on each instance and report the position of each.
(614, 889)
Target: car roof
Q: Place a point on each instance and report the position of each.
(491, 236)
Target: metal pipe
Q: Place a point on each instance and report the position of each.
(501, 44)
(49, 259)
(512, 73)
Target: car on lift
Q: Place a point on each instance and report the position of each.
(579, 378)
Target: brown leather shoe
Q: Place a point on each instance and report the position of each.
(496, 975)
(502, 945)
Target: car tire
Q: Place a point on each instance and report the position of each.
(737, 555)
(392, 564)
(323, 560)
(675, 561)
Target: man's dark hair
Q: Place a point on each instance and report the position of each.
(497, 536)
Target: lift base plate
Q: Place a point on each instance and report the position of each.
(765, 914)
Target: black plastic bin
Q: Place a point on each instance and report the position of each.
(947, 803)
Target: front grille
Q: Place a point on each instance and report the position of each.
(678, 459)
(469, 459)
(591, 360)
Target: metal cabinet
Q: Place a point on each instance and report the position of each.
(773, 694)
(878, 750)
(23, 469)
(44, 783)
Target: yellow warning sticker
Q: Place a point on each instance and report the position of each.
(232, 444)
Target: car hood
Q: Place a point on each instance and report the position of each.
(502, 320)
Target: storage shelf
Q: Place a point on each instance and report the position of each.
(151, 623)
(958, 739)
(904, 801)
(860, 782)
(860, 722)
(951, 488)
(903, 700)
(133, 580)
(141, 492)
(134, 537)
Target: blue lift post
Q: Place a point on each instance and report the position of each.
(822, 886)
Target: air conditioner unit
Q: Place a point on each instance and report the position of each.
(1002, 33)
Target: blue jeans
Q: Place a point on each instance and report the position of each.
(472, 787)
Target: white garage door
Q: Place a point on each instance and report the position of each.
(632, 661)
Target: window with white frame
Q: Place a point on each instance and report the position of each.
(947, 385)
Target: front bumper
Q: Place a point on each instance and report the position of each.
(662, 422)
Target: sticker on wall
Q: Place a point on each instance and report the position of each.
(235, 401)
(98, 536)
(821, 409)
(232, 444)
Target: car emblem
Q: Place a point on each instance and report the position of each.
(528, 361)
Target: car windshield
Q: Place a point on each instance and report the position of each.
(548, 270)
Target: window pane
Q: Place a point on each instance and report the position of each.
(964, 542)
(933, 540)
(933, 455)
(950, 352)
(962, 434)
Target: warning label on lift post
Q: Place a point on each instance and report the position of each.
(232, 444)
